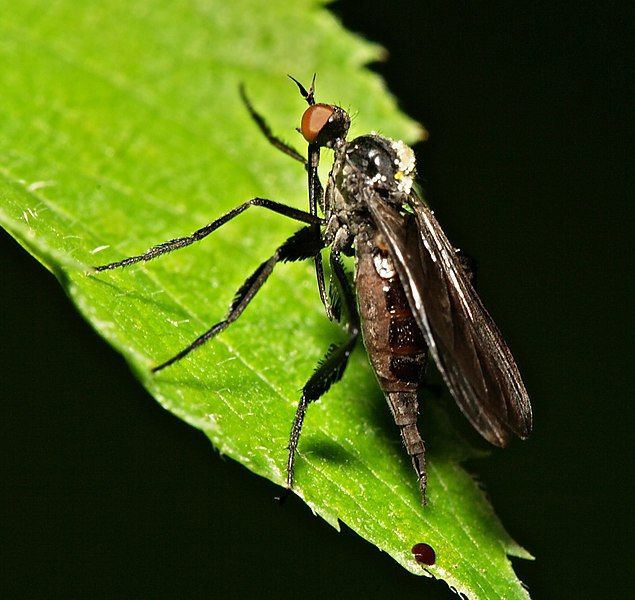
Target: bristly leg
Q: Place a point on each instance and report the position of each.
(315, 188)
(330, 369)
(266, 130)
(303, 244)
(199, 234)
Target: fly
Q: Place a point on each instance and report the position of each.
(411, 297)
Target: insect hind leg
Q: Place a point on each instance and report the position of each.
(330, 369)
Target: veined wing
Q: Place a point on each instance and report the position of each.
(464, 342)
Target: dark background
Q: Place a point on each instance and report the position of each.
(107, 495)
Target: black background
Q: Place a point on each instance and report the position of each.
(107, 495)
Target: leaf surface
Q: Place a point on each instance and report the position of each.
(122, 127)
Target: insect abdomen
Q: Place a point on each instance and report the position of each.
(394, 343)
(392, 337)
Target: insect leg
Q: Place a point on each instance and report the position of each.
(315, 187)
(199, 234)
(316, 194)
(324, 297)
(266, 130)
(330, 369)
(301, 245)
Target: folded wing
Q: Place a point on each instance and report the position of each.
(464, 342)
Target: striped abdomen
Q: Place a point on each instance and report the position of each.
(393, 341)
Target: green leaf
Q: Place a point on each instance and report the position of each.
(122, 127)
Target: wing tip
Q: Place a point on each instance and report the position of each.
(500, 435)
(525, 423)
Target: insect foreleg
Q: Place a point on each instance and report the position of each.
(316, 190)
(199, 234)
(266, 130)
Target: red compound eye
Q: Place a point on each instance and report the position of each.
(314, 119)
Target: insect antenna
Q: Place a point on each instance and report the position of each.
(309, 95)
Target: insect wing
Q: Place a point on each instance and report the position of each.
(464, 342)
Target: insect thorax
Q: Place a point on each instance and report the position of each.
(368, 165)
(375, 164)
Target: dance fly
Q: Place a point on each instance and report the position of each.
(411, 296)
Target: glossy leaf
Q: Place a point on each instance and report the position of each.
(122, 127)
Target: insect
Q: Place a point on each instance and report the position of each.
(412, 296)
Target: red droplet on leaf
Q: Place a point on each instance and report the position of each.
(424, 553)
